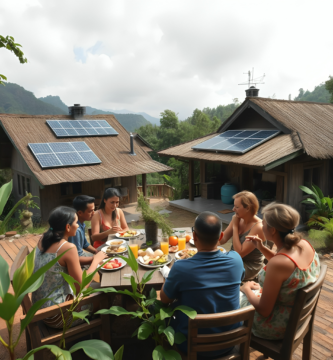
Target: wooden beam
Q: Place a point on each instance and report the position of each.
(273, 172)
(144, 184)
(191, 180)
(283, 160)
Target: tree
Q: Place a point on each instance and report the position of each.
(169, 120)
(8, 43)
(329, 87)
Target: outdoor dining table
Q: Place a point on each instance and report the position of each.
(117, 279)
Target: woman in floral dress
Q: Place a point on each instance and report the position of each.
(294, 265)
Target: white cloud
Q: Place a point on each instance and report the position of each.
(153, 55)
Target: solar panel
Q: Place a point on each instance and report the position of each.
(59, 154)
(236, 141)
(79, 128)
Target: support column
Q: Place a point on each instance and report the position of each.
(144, 184)
(191, 180)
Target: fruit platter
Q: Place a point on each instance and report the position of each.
(153, 259)
(114, 264)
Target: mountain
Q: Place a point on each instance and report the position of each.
(14, 99)
(151, 119)
(319, 94)
(55, 101)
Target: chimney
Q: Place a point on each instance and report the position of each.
(132, 144)
(252, 91)
(77, 112)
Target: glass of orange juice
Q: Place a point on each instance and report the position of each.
(165, 247)
(181, 243)
(135, 249)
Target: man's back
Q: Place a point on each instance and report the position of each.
(209, 282)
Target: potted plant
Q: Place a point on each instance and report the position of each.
(153, 220)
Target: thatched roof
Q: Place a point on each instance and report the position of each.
(310, 127)
(112, 150)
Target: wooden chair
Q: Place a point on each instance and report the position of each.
(38, 334)
(300, 325)
(212, 342)
(90, 237)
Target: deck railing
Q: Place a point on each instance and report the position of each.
(158, 190)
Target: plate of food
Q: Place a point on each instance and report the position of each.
(116, 242)
(110, 250)
(153, 259)
(221, 248)
(128, 234)
(114, 264)
(186, 254)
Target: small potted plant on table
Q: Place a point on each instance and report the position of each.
(153, 220)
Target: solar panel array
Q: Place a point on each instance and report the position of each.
(236, 141)
(80, 128)
(59, 154)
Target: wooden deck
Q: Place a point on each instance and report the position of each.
(323, 332)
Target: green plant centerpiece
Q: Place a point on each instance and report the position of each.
(155, 315)
(153, 220)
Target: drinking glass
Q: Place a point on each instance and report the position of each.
(165, 247)
(134, 246)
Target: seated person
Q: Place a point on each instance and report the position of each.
(246, 222)
(208, 282)
(296, 267)
(84, 206)
(108, 219)
(63, 224)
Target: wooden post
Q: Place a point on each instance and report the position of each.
(144, 185)
(202, 174)
(295, 179)
(191, 180)
(279, 188)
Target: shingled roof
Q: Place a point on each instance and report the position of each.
(113, 151)
(310, 127)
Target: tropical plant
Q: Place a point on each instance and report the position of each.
(148, 214)
(322, 205)
(8, 43)
(5, 192)
(326, 232)
(25, 280)
(155, 315)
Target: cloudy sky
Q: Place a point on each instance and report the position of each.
(156, 55)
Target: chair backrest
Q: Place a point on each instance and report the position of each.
(90, 236)
(212, 342)
(302, 313)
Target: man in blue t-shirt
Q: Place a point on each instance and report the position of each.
(209, 282)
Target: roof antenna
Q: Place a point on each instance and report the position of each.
(252, 82)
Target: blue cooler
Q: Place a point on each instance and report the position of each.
(227, 192)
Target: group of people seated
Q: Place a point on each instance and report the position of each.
(210, 281)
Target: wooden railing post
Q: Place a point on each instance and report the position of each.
(191, 180)
(144, 185)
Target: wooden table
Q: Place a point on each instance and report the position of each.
(116, 278)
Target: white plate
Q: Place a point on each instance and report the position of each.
(222, 248)
(192, 242)
(116, 253)
(128, 237)
(109, 242)
(123, 263)
(156, 266)
(177, 255)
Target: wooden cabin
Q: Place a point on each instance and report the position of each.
(59, 185)
(301, 153)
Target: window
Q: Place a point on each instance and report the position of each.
(28, 186)
(77, 188)
(19, 184)
(23, 185)
(65, 189)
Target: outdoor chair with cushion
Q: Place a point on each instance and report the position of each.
(212, 342)
(38, 334)
(300, 325)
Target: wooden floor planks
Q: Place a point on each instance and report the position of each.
(323, 330)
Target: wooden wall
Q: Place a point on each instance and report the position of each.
(131, 184)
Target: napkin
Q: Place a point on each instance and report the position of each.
(164, 271)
